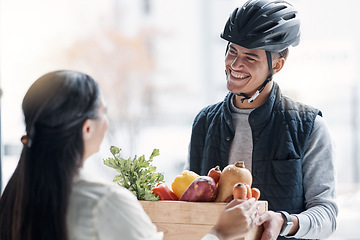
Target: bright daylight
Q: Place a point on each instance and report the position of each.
(146, 119)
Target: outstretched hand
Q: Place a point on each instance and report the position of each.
(237, 219)
(272, 222)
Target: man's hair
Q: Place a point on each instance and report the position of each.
(283, 54)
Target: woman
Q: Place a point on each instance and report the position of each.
(50, 197)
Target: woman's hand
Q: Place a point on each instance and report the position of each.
(237, 219)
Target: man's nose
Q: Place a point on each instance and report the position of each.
(237, 63)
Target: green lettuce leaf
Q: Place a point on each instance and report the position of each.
(137, 175)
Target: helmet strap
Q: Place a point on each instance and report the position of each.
(269, 60)
(261, 88)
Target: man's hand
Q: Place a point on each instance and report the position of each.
(272, 222)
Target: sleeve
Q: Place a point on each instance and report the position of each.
(210, 236)
(120, 215)
(197, 141)
(319, 218)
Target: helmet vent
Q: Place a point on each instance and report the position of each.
(265, 27)
(274, 10)
(233, 16)
(289, 16)
(278, 38)
(250, 13)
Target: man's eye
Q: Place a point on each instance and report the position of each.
(251, 59)
(232, 52)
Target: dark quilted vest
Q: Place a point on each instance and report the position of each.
(280, 128)
(280, 135)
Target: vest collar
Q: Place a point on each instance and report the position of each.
(260, 115)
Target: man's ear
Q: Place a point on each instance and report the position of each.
(87, 129)
(278, 64)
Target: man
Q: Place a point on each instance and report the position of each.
(285, 144)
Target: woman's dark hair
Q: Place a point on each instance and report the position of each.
(34, 203)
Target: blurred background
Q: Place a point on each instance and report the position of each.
(159, 62)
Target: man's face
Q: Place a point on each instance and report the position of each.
(246, 69)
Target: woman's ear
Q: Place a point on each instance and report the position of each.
(87, 129)
(278, 64)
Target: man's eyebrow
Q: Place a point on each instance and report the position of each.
(233, 48)
(253, 55)
(246, 53)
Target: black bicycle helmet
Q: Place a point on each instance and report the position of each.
(263, 24)
(270, 25)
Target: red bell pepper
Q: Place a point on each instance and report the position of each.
(164, 192)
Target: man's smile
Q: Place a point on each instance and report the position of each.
(239, 75)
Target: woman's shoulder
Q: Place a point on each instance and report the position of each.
(106, 210)
(87, 186)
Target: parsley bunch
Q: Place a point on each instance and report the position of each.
(137, 175)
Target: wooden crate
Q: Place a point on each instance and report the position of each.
(190, 220)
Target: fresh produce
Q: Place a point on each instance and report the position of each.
(164, 192)
(183, 181)
(215, 173)
(243, 191)
(248, 191)
(255, 192)
(240, 191)
(202, 189)
(138, 174)
(232, 174)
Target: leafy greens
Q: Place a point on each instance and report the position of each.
(137, 175)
